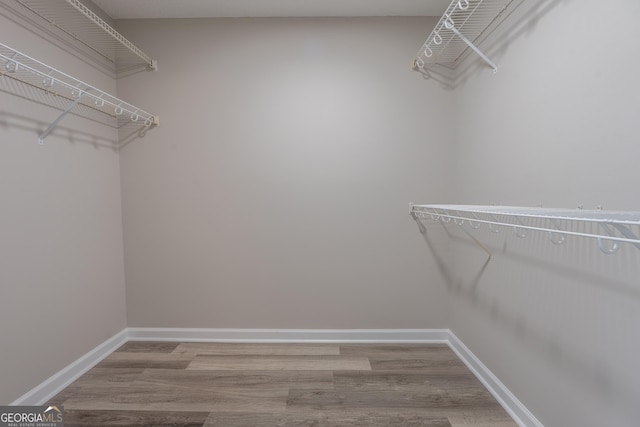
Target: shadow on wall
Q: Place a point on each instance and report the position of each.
(494, 42)
(534, 249)
(131, 135)
(11, 120)
(536, 252)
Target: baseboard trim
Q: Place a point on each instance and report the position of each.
(516, 409)
(52, 386)
(60, 380)
(290, 335)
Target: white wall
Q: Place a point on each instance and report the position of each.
(275, 193)
(557, 125)
(61, 251)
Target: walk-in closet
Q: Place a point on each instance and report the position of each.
(334, 213)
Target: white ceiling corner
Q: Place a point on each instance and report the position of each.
(150, 9)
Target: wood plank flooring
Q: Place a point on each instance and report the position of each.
(216, 384)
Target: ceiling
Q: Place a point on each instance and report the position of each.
(143, 9)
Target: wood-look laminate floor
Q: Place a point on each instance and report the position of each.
(213, 384)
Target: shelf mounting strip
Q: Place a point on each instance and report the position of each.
(609, 228)
(58, 85)
(460, 27)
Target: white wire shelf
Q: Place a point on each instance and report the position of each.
(609, 228)
(462, 25)
(27, 77)
(83, 26)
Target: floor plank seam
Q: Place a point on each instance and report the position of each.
(146, 383)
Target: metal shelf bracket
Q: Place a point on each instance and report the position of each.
(450, 26)
(54, 124)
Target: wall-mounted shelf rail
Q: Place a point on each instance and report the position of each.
(463, 23)
(609, 228)
(82, 25)
(66, 93)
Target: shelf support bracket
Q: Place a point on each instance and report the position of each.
(53, 125)
(626, 232)
(486, 59)
(477, 242)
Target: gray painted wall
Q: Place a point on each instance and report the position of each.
(276, 192)
(62, 288)
(557, 125)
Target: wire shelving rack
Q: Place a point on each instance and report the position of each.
(80, 24)
(460, 28)
(52, 87)
(609, 228)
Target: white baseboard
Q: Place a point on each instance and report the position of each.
(290, 335)
(49, 388)
(60, 380)
(520, 414)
